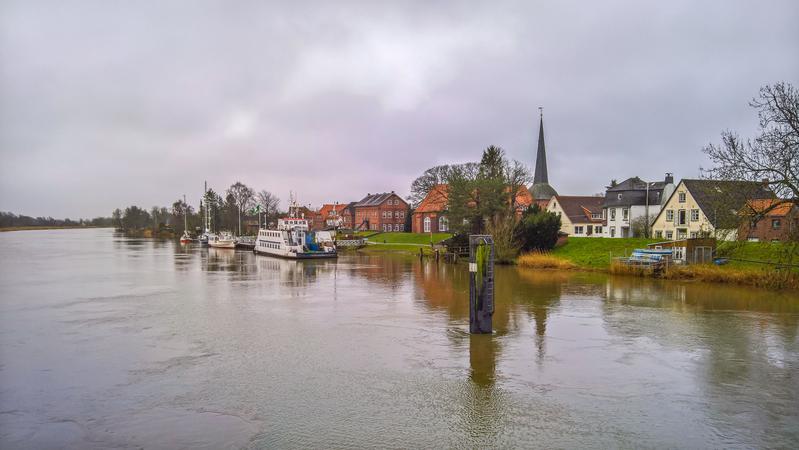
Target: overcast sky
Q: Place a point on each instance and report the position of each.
(109, 103)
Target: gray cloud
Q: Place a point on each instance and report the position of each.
(106, 104)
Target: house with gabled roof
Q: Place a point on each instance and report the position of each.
(769, 220)
(706, 208)
(381, 212)
(431, 214)
(580, 216)
(634, 200)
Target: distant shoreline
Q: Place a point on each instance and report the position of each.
(32, 228)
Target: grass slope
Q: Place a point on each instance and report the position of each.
(595, 253)
(408, 238)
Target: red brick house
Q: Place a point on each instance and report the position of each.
(347, 215)
(381, 212)
(781, 223)
(431, 214)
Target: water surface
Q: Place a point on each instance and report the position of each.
(107, 341)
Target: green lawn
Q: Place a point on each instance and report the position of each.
(748, 254)
(595, 253)
(408, 238)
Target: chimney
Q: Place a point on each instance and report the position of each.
(669, 178)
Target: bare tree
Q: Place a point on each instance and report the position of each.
(269, 204)
(243, 196)
(773, 155)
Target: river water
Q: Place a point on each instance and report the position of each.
(114, 342)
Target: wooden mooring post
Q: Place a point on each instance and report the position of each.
(481, 283)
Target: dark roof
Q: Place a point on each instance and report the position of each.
(542, 191)
(541, 157)
(579, 208)
(377, 199)
(633, 192)
(722, 200)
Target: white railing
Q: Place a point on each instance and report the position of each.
(351, 242)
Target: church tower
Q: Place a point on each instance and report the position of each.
(541, 190)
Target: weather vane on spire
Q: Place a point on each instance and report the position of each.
(541, 111)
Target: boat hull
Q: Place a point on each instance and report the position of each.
(304, 255)
(222, 244)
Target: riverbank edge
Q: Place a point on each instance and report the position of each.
(36, 228)
(776, 280)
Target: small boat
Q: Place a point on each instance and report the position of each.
(186, 239)
(223, 240)
(292, 239)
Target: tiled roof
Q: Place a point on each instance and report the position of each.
(377, 199)
(721, 200)
(579, 208)
(327, 208)
(435, 200)
(633, 192)
(760, 205)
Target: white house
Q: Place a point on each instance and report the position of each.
(631, 200)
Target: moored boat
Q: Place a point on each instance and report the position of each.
(292, 239)
(223, 240)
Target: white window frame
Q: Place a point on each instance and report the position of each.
(670, 215)
(695, 215)
(443, 224)
(426, 224)
(681, 197)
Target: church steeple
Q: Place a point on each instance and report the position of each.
(541, 190)
(541, 156)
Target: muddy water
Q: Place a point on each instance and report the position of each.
(107, 341)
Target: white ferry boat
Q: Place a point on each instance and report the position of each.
(292, 240)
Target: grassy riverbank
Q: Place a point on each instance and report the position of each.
(751, 263)
(403, 242)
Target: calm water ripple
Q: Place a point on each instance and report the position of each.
(107, 341)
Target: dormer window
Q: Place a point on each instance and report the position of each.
(619, 196)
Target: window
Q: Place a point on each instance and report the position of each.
(598, 229)
(396, 214)
(694, 215)
(612, 231)
(625, 214)
(679, 252)
(596, 216)
(613, 214)
(681, 197)
(427, 224)
(681, 217)
(618, 196)
(384, 213)
(443, 223)
(682, 233)
(396, 227)
(775, 224)
(670, 215)
(694, 234)
(578, 230)
(659, 234)
(669, 234)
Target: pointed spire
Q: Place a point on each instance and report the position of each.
(541, 156)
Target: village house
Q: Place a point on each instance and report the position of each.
(766, 220)
(431, 214)
(704, 208)
(347, 215)
(633, 201)
(332, 215)
(381, 212)
(580, 216)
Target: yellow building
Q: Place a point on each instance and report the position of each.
(706, 208)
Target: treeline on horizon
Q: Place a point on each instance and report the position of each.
(9, 219)
(225, 213)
